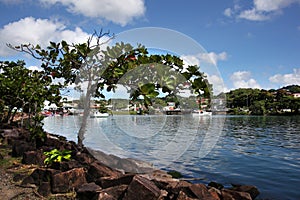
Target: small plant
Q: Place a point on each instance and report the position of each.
(56, 155)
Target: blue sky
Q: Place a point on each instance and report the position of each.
(253, 43)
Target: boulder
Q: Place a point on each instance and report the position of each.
(88, 191)
(142, 188)
(106, 182)
(33, 157)
(44, 189)
(84, 158)
(116, 192)
(219, 186)
(19, 147)
(66, 181)
(105, 196)
(97, 170)
(215, 193)
(177, 186)
(39, 176)
(252, 190)
(183, 196)
(200, 191)
(234, 195)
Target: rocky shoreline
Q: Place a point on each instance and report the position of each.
(87, 175)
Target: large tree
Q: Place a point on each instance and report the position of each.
(98, 67)
(25, 90)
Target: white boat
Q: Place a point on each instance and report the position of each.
(201, 113)
(97, 114)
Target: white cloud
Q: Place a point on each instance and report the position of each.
(119, 12)
(218, 84)
(272, 5)
(262, 9)
(33, 68)
(37, 31)
(208, 58)
(228, 12)
(242, 79)
(253, 15)
(287, 79)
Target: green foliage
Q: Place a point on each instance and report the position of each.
(56, 155)
(25, 90)
(263, 102)
(36, 129)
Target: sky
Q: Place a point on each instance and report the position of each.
(251, 43)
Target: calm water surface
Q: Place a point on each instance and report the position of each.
(262, 151)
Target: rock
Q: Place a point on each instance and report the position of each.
(116, 192)
(201, 192)
(252, 190)
(66, 181)
(33, 157)
(142, 188)
(234, 195)
(105, 196)
(215, 193)
(44, 189)
(88, 191)
(84, 158)
(38, 176)
(20, 147)
(183, 196)
(219, 186)
(66, 165)
(97, 170)
(10, 135)
(106, 182)
(176, 187)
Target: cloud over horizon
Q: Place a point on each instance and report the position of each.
(287, 79)
(243, 79)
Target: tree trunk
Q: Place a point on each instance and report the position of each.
(86, 113)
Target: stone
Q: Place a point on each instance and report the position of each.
(84, 158)
(106, 182)
(215, 193)
(34, 158)
(66, 181)
(116, 191)
(183, 196)
(142, 188)
(88, 191)
(252, 190)
(38, 176)
(176, 187)
(19, 147)
(44, 189)
(234, 195)
(105, 196)
(219, 186)
(97, 170)
(201, 192)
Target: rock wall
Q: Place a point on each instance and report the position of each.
(89, 178)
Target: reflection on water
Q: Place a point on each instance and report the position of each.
(263, 151)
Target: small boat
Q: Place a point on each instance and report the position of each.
(97, 114)
(202, 113)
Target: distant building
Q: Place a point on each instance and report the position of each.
(296, 95)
